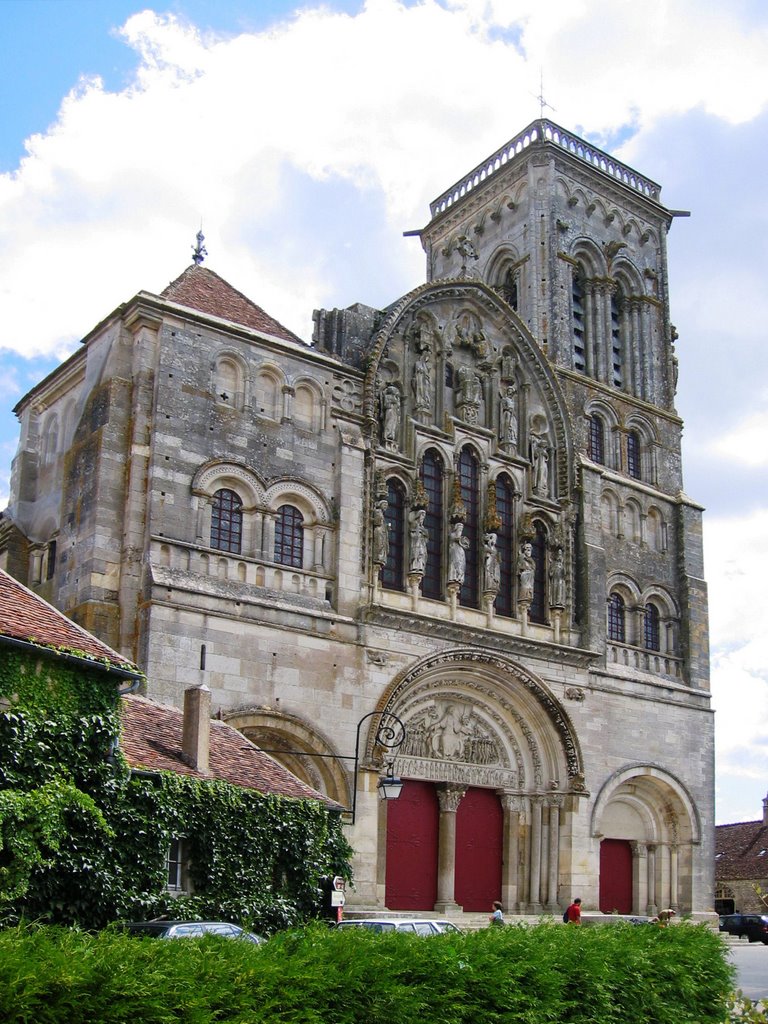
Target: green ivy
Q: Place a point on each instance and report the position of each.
(84, 841)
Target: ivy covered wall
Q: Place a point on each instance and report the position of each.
(84, 841)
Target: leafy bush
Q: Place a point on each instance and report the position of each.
(314, 975)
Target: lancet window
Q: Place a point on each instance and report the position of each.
(289, 537)
(505, 545)
(469, 474)
(227, 521)
(432, 477)
(393, 573)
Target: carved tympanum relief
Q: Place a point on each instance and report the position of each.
(451, 731)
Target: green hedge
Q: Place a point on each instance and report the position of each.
(548, 973)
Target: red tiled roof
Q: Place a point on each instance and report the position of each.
(203, 290)
(151, 740)
(741, 851)
(25, 616)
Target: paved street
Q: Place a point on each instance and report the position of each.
(751, 960)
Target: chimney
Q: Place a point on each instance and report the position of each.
(765, 812)
(196, 734)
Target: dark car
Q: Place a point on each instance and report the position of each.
(188, 929)
(740, 925)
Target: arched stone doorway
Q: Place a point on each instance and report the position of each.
(301, 748)
(648, 812)
(481, 728)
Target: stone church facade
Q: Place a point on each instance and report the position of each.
(461, 516)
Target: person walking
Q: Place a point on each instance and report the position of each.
(573, 913)
(497, 917)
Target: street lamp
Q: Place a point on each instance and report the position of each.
(390, 733)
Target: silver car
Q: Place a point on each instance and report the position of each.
(188, 929)
(412, 925)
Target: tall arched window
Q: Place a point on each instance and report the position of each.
(651, 628)
(508, 288)
(505, 544)
(432, 480)
(617, 355)
(616, 619)
(633, 454)
(393, 573)
(227, 521)
(469, 474)
(289, 537)
(579, 324)
(538, 609)
(596, 439)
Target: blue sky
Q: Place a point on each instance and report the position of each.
(307, 139)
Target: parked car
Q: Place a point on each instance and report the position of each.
(413, 925)
(188, 929)
(757, 928)
(753, 926)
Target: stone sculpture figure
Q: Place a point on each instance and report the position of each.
(380, 533)
(526, 568)
(557, 581)
(457, 553)
(491, 563)
(509, 417)
(422, 381)
(390, 401)
(540, 462)
(418, 536)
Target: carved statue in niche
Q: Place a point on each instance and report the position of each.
(508, 365)
(470, 334)
(380, 533)
(470, 394)
(450, 731)
(418, 536)
(422, 380)
(540, 463)
(526, 568)
(390, 406)
(491, 564)
(508, 417)
(457, 553)
(557, 581)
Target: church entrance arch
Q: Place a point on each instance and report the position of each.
(647, 827)
(500, 755)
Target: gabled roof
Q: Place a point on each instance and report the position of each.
(741, 851)
(27, 618)
(151, 741)
(203, 290)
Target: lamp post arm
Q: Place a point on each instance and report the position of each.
(390, 733)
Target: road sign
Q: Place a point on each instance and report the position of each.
(339, 884)
(337, 899)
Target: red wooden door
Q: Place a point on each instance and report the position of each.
(412, 825)
(479, 826)
(615, 876)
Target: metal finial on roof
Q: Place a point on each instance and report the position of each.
(199, 252)
(542, 102)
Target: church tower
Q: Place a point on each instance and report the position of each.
(451, 532)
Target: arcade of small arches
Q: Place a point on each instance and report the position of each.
(268, 393)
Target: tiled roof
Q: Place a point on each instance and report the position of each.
(25, 616)
(151, 741)
(741, 851)
(203, 290)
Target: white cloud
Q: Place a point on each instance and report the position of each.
(747, 442)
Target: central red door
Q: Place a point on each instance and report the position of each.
(479, 826)
(412, 824)
(615, 876)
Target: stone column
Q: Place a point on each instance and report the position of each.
(268, 544)
(674, 896)
(639, 877)
(510, 889)
(589, 330)
(449, 797)
(554, 853)
(534, 893)
(652, 906)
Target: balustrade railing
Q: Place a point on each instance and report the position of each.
(541, 132)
